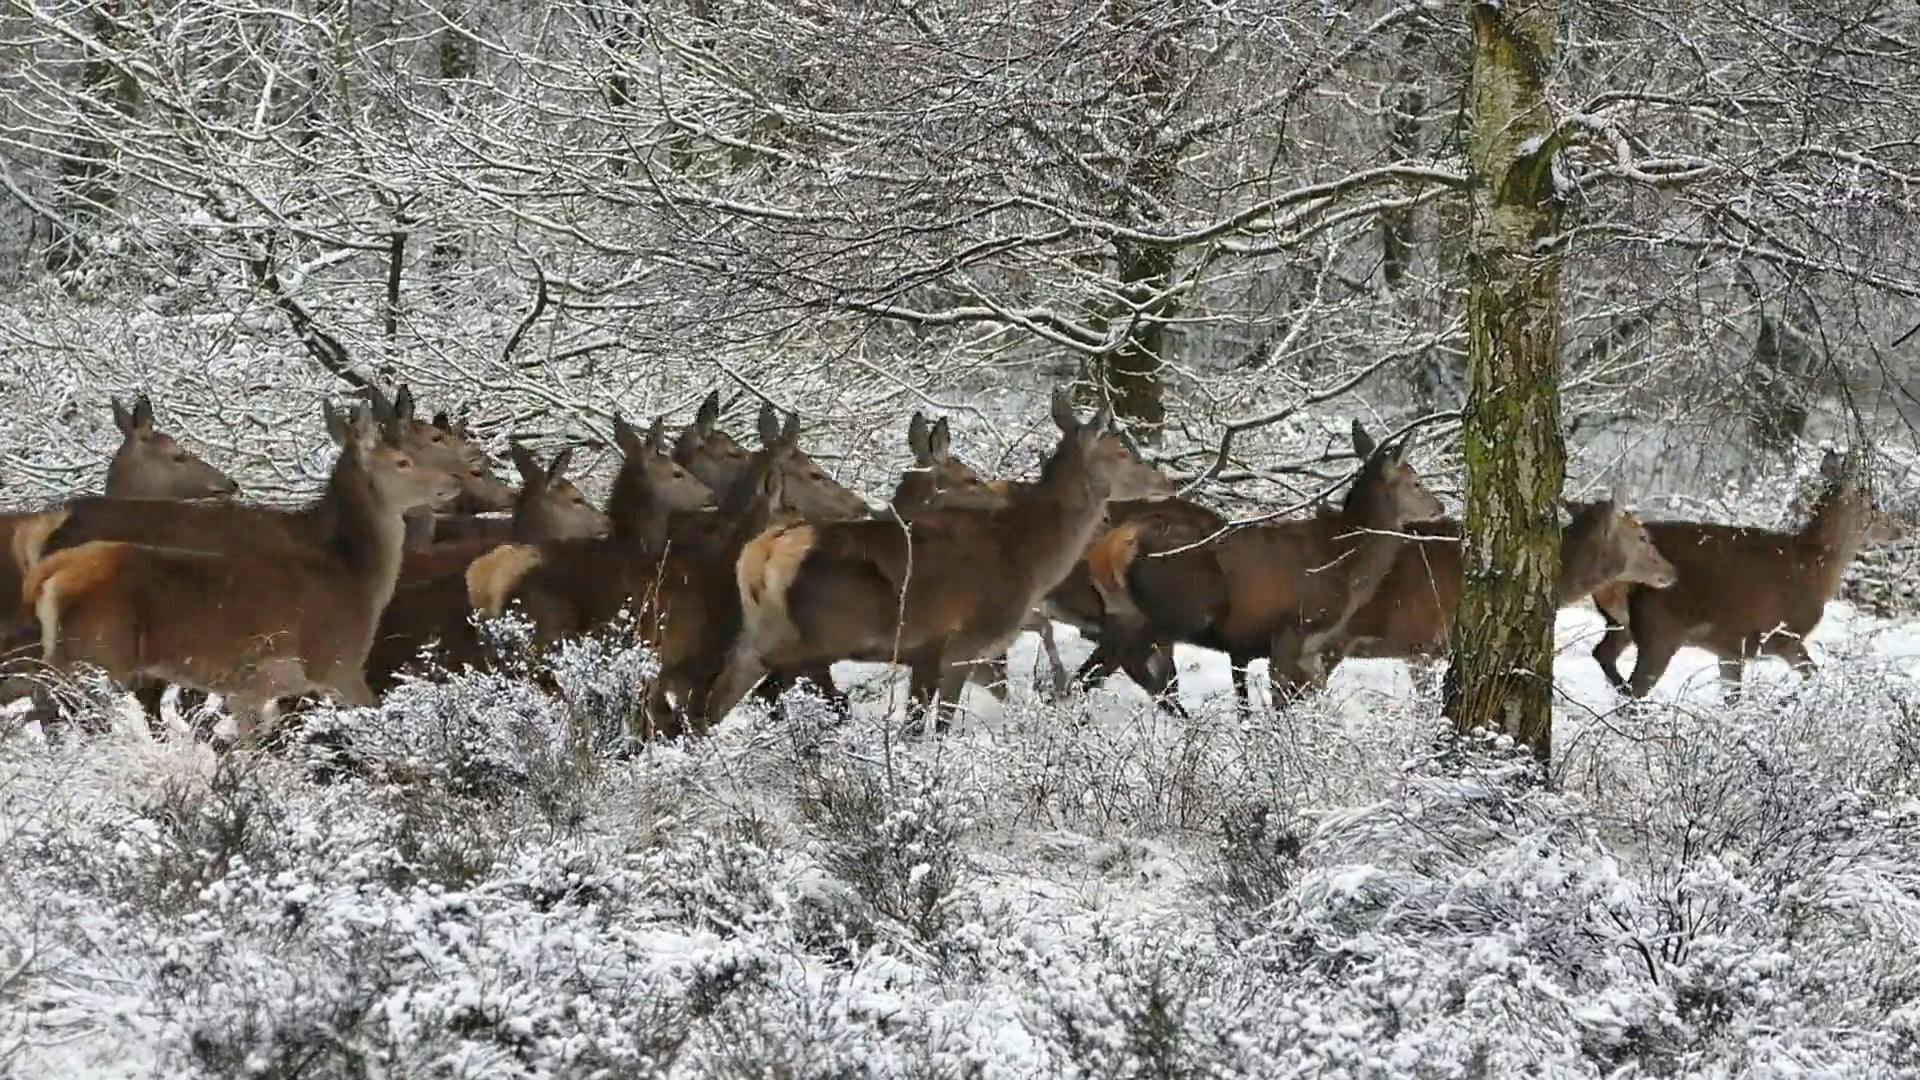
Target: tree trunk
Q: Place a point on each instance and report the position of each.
(1131, 373)
(1501, 677)
(87, 181)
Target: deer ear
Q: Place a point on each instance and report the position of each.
(143, 413)
(1063, 417)
(403, 404)
(1101, 423)
(531, 474)
(769, 424)
(1363, 444)
(382, 407)
(657, 435)
(1830, 464)
(790, 434)
(339, 428)
(558, 469)
(442, 421)
(122, 419)
(1402, 448)
(627, 439)
(709, 413)
(940, 440)
(918, 439)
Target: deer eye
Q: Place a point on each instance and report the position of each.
(181, 457)
(816, 476)
(402, 464)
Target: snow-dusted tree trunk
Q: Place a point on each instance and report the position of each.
(1501, 677)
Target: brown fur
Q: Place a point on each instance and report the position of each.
(1742, 592)
(431, 607)
(1412, 613)
(676, 574)
(1284, 586)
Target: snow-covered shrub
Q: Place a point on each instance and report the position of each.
(895, 832)
(1255, 863)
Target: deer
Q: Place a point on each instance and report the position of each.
(441, 443)
(1604, 545)
(674, 573)
(1741, 592)
(938, 480)
(429, 604)
(1093, 598)
(254, 627)
(936, 592)
(710, 454)
(1280, 588)
(149, 464)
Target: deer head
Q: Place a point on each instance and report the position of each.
(150, 465)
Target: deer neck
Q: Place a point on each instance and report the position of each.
(1368, 538)
(361, 531)
(1580, 573)
(119, 483)
(1051, 523)
(1836, 532)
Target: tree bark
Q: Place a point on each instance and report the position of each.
(1501, 677)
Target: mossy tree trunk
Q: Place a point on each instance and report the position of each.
(1501, 677)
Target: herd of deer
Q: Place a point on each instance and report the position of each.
(744, 569)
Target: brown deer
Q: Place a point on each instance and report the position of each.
(149, 464)
(674, 574)
(254, 627)
(1094, 600)
(937, 479)
(937, 592)
(711, 454)
(1741, 592)
(1412, 613)
(442, 444)
(430, 603)
(1282, 587)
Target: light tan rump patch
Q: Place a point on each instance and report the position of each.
(492, 578)
(30, 537)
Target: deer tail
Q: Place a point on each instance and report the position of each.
(493, 577)
(30, 537)
(58, 580)
(767, 568)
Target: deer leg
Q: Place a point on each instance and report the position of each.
(953, 683)
(1655, 655)
(923, 690)
(1731, 668)
(150, 694)
(1607, 653)
(1792, 649)
(1056, 670)
(744, 669)
(1242, 692)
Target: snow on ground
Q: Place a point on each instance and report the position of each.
(469, 883)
